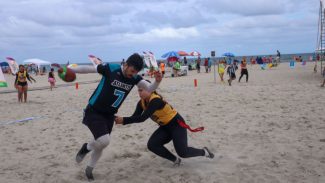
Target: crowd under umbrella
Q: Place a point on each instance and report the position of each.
(171, 56)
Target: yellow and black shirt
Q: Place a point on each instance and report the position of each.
(157, 109)
(21, 77)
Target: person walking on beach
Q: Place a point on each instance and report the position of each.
(231, 70)
(278, 56)
(209, 64)
(21, 83)
(185, 61)
(116, 83)
(162, 68)
(206, 65)
(51, 79)
(221, 69)
(176, 68)
(198, 65)
(172, 127)
(244, 70)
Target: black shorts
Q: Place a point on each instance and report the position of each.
(244, 71)
(22, 83)
(99, 124)
(232, 76)
(163, 72)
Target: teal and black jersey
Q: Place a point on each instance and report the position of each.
(112, 89)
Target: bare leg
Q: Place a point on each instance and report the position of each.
(25, 88)
(221, 76)
(20, 93)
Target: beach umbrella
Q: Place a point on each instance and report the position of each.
(228, 54)
(195, 53)
(170, 54)
(183, 53)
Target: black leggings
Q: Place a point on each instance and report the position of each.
(244, 72)
(172, 131)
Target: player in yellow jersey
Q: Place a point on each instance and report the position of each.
(21, 83)
(171, 127)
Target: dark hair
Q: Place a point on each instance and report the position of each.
(21, 66)
(52, 69)
(136, 61)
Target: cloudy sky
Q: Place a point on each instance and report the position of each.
(62, 30)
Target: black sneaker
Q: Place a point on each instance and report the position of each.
(208, 153)
(89, 173)
(82, 153)
(177, 162)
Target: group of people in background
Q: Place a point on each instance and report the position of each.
(231, 70)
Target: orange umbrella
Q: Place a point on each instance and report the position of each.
(183, 53)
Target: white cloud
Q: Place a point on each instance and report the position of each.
(155, 35)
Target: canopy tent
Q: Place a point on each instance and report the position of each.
(37, 62)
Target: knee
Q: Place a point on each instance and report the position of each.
(105, 141)
(102, 141)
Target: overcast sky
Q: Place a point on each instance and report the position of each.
(62, 30)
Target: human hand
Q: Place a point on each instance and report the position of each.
(97, 61)
(158, 76)
(118, 120)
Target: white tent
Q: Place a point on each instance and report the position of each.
(37, 62)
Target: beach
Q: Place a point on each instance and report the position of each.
(269, 130)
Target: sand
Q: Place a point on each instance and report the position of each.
(269, 130)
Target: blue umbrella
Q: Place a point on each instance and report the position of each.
(170, 54)
(228, 54)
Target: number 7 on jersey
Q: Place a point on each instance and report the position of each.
(120, 95)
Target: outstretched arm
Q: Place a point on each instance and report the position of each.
(151, 86)
(30, 78)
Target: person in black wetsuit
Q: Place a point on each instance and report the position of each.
(171, 127)
(116, 83)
